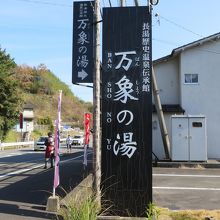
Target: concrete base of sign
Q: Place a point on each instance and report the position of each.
(53, 204)
(120, 218)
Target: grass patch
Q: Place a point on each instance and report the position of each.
(12, 136)
(86, 209)
(166, 214)
(153, 212)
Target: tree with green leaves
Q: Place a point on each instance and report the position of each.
(10, 99)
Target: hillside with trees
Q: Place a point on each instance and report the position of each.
(11, 101)
(37, 87)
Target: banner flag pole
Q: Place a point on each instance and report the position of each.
(57, 146)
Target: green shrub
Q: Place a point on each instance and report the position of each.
(81, 210)
(153, 212)
(12, 136)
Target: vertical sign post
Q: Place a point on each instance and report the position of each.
(127, 110)
(21, 122)
(82, 65)
(97, 107)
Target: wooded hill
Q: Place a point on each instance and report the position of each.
(40, 89)
(36, 87)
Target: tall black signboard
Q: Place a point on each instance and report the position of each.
(83, 62)
(126, 110)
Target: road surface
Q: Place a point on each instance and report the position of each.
(25, 186)
(178, 189)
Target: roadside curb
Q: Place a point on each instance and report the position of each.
(80, 192)
(170, 164)
(120, 218)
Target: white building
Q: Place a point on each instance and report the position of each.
(189, 83)
(28, 119)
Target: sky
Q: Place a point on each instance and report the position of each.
(37, 32)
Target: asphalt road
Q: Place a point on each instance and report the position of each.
(179, 189)
(25, 186)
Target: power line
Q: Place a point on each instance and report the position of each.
(186, 29)
(165, 42)
(136, 3)
(171, 43)
(45, 3)
(178, 25)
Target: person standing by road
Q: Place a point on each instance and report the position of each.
(49, 153)
(68, 143)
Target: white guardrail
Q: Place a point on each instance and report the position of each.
(16, 144)
(21, 144)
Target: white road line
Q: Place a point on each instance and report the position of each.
(186, 175)
(186, 188)
(14, 154)
(64, 161)
(20, 171)
(11, 155)
(35, 167)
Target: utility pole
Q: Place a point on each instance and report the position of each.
(163, 128)
(136, 3)
(122, 3)
(164, 133)
(96, 107)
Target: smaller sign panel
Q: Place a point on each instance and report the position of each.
(21, 120)
(83, 62)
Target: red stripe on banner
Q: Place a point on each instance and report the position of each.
(87, 128)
